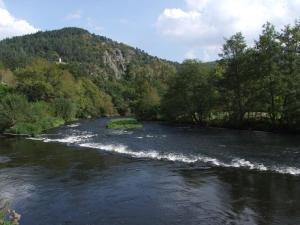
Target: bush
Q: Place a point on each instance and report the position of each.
(94, 102)
(20, 117)
(124, 123)
(25, 128)
(64, 108)
(37, 127)
(4, 90)
(13, 108)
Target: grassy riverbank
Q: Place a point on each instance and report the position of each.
(36, 128)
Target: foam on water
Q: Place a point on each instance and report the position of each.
(69, 139)
(176, 157)
(247, 164)
(83, 141)
(139, 137)
(121, 132)
(287, 170)
(149, 136)
(73, 125)
(152, 154)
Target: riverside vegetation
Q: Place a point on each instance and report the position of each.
(123, 123)
(7, 216)
(249, 87)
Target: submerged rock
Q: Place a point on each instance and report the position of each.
(14, 217)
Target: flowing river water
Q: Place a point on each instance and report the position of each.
(85, 174)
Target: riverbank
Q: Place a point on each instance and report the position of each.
(26, 129)
(117, 122)
(247, 125)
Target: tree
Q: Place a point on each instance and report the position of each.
(64, 108)
(94, 102)
(268, 49)
(191, 95)
(42, 80)
(290, 69)
(7, 77)
(147, 104)
(234, 81)
(13, 108)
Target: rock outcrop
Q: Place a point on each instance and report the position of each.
(115, 60)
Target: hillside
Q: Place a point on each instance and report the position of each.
(93, 54)
(52, 77)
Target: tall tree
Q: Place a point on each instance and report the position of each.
(290, 68)
(234, 81)
(268, 48)
(191, 95)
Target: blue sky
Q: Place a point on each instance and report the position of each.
(170, 29)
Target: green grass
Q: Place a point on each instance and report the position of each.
(3, 221)
(36, 127)
(123, 123)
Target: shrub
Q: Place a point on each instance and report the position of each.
(13, 108)
(64, 108)
(124, 123)
(36, 127)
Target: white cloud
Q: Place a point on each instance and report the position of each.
(11, 26)
(203, 24)
(74, 15)
(190, 54)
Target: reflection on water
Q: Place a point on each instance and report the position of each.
(52, 183)
(254, 197)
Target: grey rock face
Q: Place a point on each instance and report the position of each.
(116, 61)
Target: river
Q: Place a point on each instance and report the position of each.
(85, 174)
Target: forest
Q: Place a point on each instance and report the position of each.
(250, 87)
(53, 77)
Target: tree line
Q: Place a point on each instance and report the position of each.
(257, 86)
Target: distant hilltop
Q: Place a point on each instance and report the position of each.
(97, 55)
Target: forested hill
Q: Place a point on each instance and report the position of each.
(58, 76)
(97, 55)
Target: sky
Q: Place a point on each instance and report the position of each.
(170, 29)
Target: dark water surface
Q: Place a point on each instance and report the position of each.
(84, 174)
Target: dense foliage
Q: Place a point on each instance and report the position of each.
(49, 78)
(123, 123)
(82, 53)
(250, 86)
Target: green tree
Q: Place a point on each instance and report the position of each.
(64, 108)
(93, 101)
(268, 48)
(147, 104)
(235, 80)
(7, 77)
(41, 80)
(191, 95)
(290, 68)
(13, 108)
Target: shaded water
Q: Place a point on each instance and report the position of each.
(85, 174)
